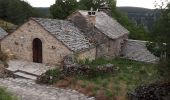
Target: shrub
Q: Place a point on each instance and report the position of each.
(154, 91)
(4, 95)
(3, 57)
(50, 76)
(157, 49)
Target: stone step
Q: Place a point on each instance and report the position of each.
(25, 75)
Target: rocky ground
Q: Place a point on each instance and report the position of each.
(26, 89)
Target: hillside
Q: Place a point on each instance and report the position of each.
(44, 11)
(141, 16)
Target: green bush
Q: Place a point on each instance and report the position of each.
(50, 77)
(156, 48)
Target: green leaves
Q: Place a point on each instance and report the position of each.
(63, 8)
(16, 11)
(161, 31)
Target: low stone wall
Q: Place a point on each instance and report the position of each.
(88, 54)
(71, 68)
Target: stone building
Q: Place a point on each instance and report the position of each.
(48, 41)
(101, 30)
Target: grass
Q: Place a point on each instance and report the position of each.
(4, 95)
(130, 75)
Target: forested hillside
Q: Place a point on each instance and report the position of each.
(141, 16)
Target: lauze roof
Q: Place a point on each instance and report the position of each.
(3, 33)
(65, 32)
(107, 25)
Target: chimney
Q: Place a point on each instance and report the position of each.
(91, 17)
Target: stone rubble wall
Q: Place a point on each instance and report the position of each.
(89, 54)
(137, 50)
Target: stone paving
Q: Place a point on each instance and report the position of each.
(29, 67)
(26, 89)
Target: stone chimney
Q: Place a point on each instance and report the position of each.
(91, 17)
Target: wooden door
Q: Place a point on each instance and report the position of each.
(37, 50)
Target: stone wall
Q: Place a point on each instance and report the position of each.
(90, 55)
(20, 44)
(111, 48)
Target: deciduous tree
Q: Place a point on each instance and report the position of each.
(63, 8)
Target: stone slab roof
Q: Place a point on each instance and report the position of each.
(137, 50)
(3, 33)
(107, 25)
(65, 32)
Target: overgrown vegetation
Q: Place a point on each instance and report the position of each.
(50, 76)
(6, 25)
(4, 95)
(127, 77)
(161, 31)
(158, 49)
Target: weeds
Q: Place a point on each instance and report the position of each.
(4, 95)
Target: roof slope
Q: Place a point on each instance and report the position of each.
(3, 33)
(107, 25)
(65, 32)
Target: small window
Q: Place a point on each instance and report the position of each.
(90, 13)
(93, 13)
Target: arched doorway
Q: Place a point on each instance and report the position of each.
(37, 50)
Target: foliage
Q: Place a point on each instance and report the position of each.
(6, 25)
(96, 4)
(161, 31)
(4, 95)
(136, 31)
(130, 75)
(50, 76)
(158, 49)
(63, 8)
(16, 11)
(44, 11)
(153, 91)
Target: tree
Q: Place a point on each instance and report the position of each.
(136, 31)
(161, 32)
(96, 4)
(63, 8)
(16, 11)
